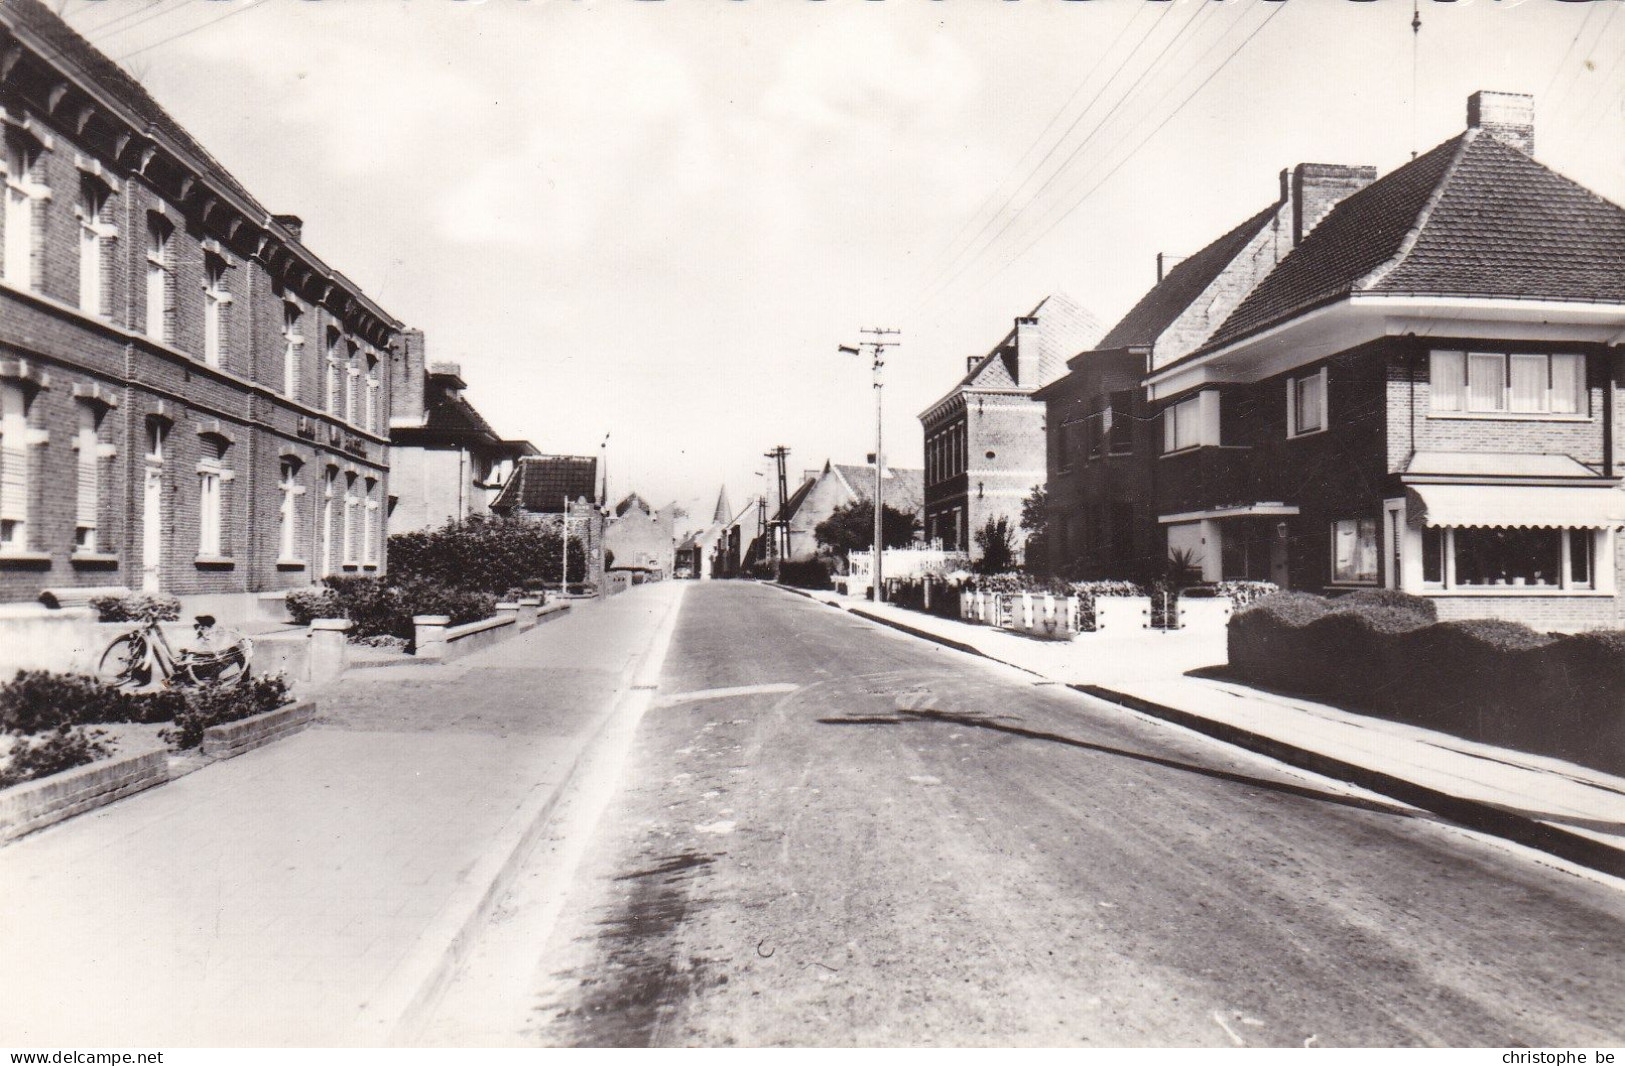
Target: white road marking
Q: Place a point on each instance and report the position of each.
(777, 688)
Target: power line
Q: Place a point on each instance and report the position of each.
(1088, 138)
(251, 5)
(150, 11)
(1574, 74)
(1562, 64)
(1172, 115)
(992, 193)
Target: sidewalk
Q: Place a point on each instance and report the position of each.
(1570, 811)
(311, 892)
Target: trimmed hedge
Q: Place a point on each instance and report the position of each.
(1484, 679)
(381, 607)
(137, 607)
(807, 574)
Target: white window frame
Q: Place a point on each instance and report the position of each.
(351, 501)
(96, 236)
(290, 487)
(1598, 546)
(160, 277)
(1375, 523)
(369, 524)
(1191, 423)
(15, 476)
(1295, 385)
(1471, 366)
(25, 197)
(216, 301)
(213, 477)
(293, 344)
(87, 488)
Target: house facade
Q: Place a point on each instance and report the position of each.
(190, 400)
(837, 485)
(985, 438)
(560, 491)
(446, 462)
(641, 537)
(1423, 394)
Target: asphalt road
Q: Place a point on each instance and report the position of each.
(835, 834)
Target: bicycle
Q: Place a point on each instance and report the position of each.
(133, 659)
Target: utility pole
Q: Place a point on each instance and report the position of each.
(780, 525)
(564, 549)
(877, 344)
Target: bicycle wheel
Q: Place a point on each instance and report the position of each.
(225, 668)
(124, 664)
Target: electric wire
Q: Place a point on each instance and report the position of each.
(250, 6)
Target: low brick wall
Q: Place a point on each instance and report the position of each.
(37, 804)
(246, 734)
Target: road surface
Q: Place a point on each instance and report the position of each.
(829, 833)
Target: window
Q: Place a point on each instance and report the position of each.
(350, 504)
(1433, 555)
(23, 199)
(370, 419)
(369, 525)
(212, 475)
(1519, 383)
(1354, 551)
(1509, 558)
(1182, 425)
(1119, 426)
(330, 492)
(13, 467)
(216, 299)
(88, 445)
(288, 513)
(95, 244)
(160, 277)
(352, 376)
(293, 342)
(1581, 543)
(1306, 404)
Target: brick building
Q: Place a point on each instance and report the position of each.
(984, 439)
(1423, 394)
(560, 490)
(190, 400)
(641, 537)
(445, 461)
(821, 492)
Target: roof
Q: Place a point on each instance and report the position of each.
(1065, 328)
(540, 484)
(797, 498)
(723, 510)
(632, 500)
(902, 489)
(1497, 465)
(1518, 506)
(1473, 217)
(1179, 288)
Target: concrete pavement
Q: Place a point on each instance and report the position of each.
(833, 834)
(312, 892)
(1570, 811)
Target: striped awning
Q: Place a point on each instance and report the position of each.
(1527, 506)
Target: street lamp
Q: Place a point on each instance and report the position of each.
(877, 346)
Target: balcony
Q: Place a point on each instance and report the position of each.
(1206, 478)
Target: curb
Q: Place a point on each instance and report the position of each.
(924, 634)
(1472, 814)
(404, 1005)
(230, 739)
(47, 801)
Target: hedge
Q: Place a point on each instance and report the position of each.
(1483, 679)
(380, 607)
(807, 574)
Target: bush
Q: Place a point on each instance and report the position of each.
(209, 705)
(60, 749)
(306, 604)
(138, 607)
(806, 574)
(1243, 593)
(377, 608)
(1393, 598)
(485, 553)
(37, 701)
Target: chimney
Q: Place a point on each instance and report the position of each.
(1508, 117)
(292, 223)
(971, 361)
(1166, 262)
(1027, 353)
(408, 409)
(1317, 188)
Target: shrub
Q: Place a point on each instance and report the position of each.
(1392, 598)
(37, 701)
(209, 705)
(805, 574)
(306, 604)
(138, 607)
(62, 748)
(485, 553)
(1243, 593)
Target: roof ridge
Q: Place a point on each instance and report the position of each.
(1372, 277)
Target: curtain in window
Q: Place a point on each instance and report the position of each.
(1568, 383)
(13, 464)
(1310, 395)
(1528, 383)
(1486, 382)
(1354, 550)
(88, 487)
(1447, 374)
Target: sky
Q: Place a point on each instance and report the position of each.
(658, 219)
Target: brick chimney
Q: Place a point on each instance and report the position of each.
(1027, 353)
(292, 223)
(1316, 188)
(408, 408)
(971, 361)
(1508, 117)
(1166, 262)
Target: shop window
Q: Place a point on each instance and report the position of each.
(1507, 557)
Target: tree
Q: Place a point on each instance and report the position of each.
(997, 541)
(852, 528)
(1035, 520)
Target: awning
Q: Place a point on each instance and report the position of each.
(1543, 506)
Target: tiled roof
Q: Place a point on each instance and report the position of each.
(903, 489)
(1169, 298)
(1065, 328)
(540, 484)
(1474, 217)
(1359, 235)
(797, 498)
